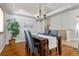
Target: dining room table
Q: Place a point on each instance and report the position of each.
(44, 44)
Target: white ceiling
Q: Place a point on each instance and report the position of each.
(32, 8)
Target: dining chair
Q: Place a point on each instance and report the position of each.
(54, 33)
(32, 47)
(26, 41)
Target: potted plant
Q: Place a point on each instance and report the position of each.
(13, 28)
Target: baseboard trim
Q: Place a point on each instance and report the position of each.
(8, 43)
(16, 41)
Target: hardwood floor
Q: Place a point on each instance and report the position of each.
(19, 50)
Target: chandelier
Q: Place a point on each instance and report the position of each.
(41, 15)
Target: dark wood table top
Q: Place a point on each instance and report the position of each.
(58, 43)
(38, 37)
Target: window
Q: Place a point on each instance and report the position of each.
(1, 20)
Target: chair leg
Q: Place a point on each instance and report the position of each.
(50, 51)
(26, 48)
(29, 52)
(56, 50)
(44, 52)
(33, 54)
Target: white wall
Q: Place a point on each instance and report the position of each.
(36, 26)
(2, 42)
(65, 21)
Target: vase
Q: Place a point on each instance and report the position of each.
(12, 42)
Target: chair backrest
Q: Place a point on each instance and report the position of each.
(29, 40)
(26, 38)
(54, 33)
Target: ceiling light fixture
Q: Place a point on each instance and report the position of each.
(41, 15)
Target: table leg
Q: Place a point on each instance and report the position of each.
(59, 45)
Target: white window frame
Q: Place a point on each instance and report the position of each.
(1, 20)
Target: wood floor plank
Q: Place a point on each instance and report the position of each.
(19, 50)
